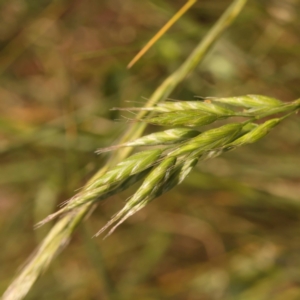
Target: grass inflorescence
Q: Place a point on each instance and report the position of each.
(162, 169)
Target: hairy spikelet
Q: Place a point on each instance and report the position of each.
(116, 180)
(209, 140)
(256, 133)
(167, 137)
(259, 112)
(252, 105)
(184, 118)
(179, 173)
(150, 189)
(163, 178)
(249, 101)
(205, 106)
(130, 166)
(96, 194)
(106, 191)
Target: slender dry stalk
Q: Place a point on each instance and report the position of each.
(162, 31)
(64, 228)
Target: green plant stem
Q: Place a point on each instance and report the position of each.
(62, 231)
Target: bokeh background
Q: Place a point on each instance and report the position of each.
(231, 231)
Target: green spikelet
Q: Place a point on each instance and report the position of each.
(210, 139)
(105, 191)
(259, 112)
(96, 194)
(167, 137)
(132, 165)
(169, 106)
(150, 189)
(249, 101)
(195, 105)
(184, 118)
(179, 173)
(256, 133)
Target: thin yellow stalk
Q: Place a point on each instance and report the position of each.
(162, 31)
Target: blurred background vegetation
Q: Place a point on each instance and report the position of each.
(231, 231)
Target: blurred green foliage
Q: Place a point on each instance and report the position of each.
(229, 232)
